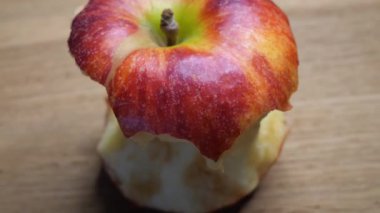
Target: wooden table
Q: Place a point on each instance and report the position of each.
(51, 116)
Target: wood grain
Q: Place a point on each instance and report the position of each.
(51, 116)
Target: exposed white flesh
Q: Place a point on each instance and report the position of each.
(170, 174)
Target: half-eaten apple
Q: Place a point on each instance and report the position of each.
(196, 88)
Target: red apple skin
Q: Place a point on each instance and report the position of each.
(207, 92)
(96, 32)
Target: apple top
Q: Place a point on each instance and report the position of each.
(232, 63)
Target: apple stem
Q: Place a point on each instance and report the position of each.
(169, 26)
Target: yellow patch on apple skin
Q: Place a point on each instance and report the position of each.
(154, 170)
(280, 52)
(137, 41)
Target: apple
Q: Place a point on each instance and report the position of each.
(197, 76)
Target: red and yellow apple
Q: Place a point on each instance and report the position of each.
(188, 135)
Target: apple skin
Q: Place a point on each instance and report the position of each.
(241, 64)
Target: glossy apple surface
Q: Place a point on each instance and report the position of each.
(235, 61)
